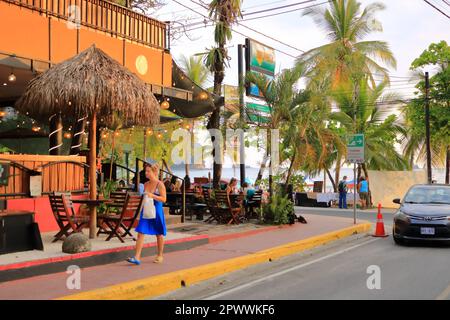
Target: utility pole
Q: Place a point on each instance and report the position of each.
(241, 112)
(427, 126)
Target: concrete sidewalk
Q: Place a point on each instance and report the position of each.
(221, 256)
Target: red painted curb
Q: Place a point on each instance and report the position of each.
(236, 235)
(28, 264)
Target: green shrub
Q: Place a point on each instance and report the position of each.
(278, 210)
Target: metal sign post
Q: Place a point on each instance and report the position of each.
(354, 192)
(355, 154)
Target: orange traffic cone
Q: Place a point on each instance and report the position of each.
(379, 231)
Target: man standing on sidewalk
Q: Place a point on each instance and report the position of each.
(342, 187)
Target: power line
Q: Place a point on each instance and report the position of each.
(288, 11)
(278, 8)
(258, 32)
(437, 8)
(269, 15)
(240, 33)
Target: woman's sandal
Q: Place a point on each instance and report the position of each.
(158, 260)
(134, 261)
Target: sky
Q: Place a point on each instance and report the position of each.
(409, 26)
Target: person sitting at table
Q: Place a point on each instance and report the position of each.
(232, 189)
(173, 181)
(177, 186)
(248, 190)
(155, 189)
(166, 182)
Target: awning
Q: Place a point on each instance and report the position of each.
(202, 101)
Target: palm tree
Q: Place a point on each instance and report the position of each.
(312, 144)
(195, 69)
(279, 94)
(225, 13)
(361, 111)
(347, 56)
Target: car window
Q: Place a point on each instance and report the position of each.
(428, 195)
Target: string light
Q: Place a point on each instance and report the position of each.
(35, 129)
(165, 105)
(12, 77)
(116, 133)
(2, 113)
(203, 96)
(67, 135)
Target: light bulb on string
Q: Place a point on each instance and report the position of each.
(12, 77)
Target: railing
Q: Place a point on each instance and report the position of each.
(58, 176)
(183, 191)
(18, 178)
(63, 176)
(105, 16)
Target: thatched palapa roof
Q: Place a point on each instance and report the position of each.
(90, 82)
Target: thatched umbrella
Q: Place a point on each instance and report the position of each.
(91, 84)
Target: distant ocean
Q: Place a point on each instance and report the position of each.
(251, 173)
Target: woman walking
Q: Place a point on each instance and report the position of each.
(155, 189)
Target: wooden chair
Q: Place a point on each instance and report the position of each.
(230, 212)
(119, 225)
(65, 217)
(194, 206)
(211, 206)
(254, 202)
(116, 201)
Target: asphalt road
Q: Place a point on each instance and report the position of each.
(367, 215)
(338, 271)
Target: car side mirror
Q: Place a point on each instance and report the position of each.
(397, 201)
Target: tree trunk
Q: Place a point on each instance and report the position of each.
(77, 138)
(447, 166)
(291, 165)
(261, 169)
(337, 172)
(332, 180)
(214, 119)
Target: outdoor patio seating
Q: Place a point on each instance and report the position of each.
(193, 206)
(119, 225)
(174, 202)
(64, 213)
(116, 201)
(230, 210)
(211, 206)
(253, 203)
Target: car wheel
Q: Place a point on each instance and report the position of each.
(399, 241)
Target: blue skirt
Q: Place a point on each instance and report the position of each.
(155, 226)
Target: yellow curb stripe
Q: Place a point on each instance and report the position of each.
(158, 285)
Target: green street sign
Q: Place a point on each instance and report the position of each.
(258, 107)
(258, 118)
(356, 141)
(355, 148)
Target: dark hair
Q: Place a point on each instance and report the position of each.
(173, 180)
(232, 180)
(245, 185)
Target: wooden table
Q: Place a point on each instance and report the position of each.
(92, 205)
